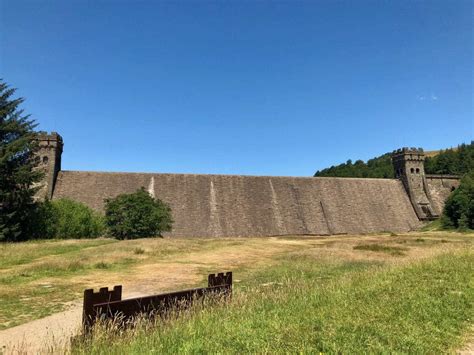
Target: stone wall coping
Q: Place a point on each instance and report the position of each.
(223, 175)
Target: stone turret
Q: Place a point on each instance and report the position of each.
(408, 164)
(50, 148)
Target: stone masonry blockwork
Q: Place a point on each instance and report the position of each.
(242, 206)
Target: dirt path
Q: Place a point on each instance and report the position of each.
(178, 271)
(48, 334)
(468, 347)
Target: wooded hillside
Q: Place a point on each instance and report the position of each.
(456, 161)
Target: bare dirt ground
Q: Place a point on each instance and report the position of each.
(177, 271)
(467, 349)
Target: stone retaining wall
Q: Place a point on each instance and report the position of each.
(240, 206)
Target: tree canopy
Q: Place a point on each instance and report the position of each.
(17, 173)
(137, 215)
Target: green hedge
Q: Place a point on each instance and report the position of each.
(66, 219)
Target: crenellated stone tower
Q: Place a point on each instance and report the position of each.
(50, 148)
(408, 164)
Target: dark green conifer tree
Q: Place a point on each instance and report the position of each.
(17, 173)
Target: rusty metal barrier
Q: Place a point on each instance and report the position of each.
(107, 304)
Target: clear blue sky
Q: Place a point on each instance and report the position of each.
(240, 87)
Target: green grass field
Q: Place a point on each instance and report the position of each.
(410, 293)
(303, 305)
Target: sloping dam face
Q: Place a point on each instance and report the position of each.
(241, 206)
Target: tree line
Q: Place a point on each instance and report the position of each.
(458, 161)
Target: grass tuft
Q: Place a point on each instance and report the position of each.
(101, 265)
(392, 250)
(75, 266)
(138, 251)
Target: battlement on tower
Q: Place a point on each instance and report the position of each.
(49, 140)
(408, 154)
(408, 150)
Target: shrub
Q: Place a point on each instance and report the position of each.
(43, 221)
(459, 208)
(137, 215)
(65, 219)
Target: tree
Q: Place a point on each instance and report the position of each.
(17, 173)
(459, 208)
(137, 215)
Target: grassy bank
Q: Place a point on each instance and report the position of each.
(308, 305)
(39, 278)
(437, 226)
(277, 275)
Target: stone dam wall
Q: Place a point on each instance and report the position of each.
(241, 206)
(440, 187)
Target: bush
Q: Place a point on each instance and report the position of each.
(43, 221)
(459, 208)
(137, 215)
(66, 219)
